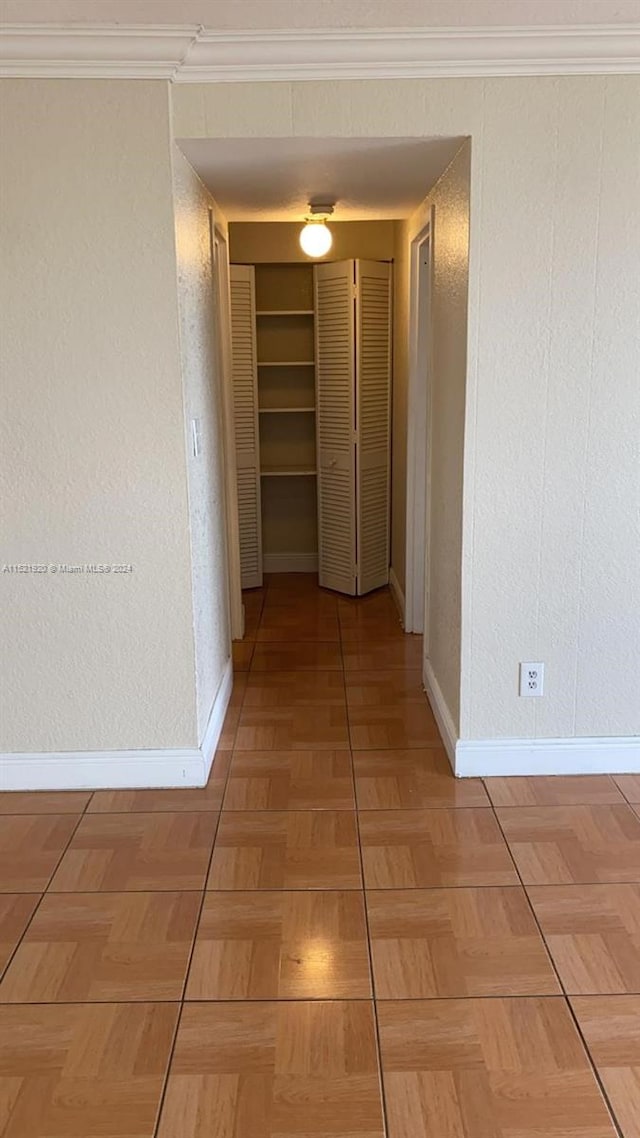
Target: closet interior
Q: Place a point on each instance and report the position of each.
(312, 395)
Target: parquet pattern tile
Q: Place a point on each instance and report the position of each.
(83, 1070)
(117, 852)
(404, 849)
(30, 848)
(16, 910)
(104, 946)
(311, 849)
(43, 802)
(293, 780)
(488, 1069)
(412, 779)
(335, 938)
(296, 945)
(629, 785)
(456, 942)
(296, 728)
(577, 790)
(611, 1028)
(274, 1070)
(593, 934)
(560, 845)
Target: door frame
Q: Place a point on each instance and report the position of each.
(222, 316)
(419, 435)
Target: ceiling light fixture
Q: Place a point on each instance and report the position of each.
(316, 238)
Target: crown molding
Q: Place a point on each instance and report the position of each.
(191, 54)
(398, 53)
(94, 51)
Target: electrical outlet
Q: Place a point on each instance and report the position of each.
(531, 679)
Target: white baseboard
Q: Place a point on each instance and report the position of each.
(487, 757)
(116, 770)
(290, 562)
(397, 594)
(213, 730)
(443, 716)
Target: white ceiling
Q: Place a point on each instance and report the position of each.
(274, 179)
(253, 14)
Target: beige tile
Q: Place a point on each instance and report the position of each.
(104, 946)
(281, 945)
(274, 1070)
(290, 780)
(294, 850)
(285, 656)
(488, 1068)
(611, 1029)
(83, 1070)
(385, 687)
(629, 784)
(405, 849)
(131, 852)
(574, 790)
(16, 910)
(396, 726)
(242, 652)
(558, 845)
(390, 652)
(456, 942)
(44, 802)
(296, 728)
(420, 778)
(295, 689)
(30, 847)
(593, 934)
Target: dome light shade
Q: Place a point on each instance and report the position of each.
(316, 238)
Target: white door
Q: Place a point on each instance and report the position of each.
(373, 422)
(334, 286)
(245, 411)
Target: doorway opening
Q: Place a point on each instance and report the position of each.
(262, 187)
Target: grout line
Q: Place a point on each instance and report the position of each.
(44, 892)
(321, 889)
(376, 1023)
(563, 994)
(196, 928)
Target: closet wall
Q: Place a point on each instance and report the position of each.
(251, 242)
(284, 301)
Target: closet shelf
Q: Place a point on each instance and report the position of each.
(286, 363)
(286, 410)
(290, 471)
(285, 312)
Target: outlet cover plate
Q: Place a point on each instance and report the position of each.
(531, 679)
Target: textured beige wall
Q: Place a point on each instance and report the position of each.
(93, 465)
(551, 544)
(251, 14)
(252, 242)
(449, 201)
(202, 401)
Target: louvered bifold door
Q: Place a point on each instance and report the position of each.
(335, 420)
(245, 411)
(373, 421)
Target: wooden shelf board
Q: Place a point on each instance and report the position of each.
(298, 471)
(285, 312)
(286, 363)
(286, 410)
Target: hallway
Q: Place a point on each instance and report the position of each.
(334, 938)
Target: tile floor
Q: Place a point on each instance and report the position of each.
(335, 938)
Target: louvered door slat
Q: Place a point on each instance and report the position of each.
(245, 410)
(335, 395)
(373, 412)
